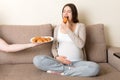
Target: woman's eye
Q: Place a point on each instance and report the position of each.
(69, 11)
(66, 11)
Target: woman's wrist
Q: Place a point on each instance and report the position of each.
(56, 57)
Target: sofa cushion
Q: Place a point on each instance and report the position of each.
(23, 34)
(95, 43)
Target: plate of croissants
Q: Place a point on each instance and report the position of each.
(41, 39)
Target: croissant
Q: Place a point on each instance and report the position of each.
(65, 19)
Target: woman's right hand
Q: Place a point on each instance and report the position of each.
(63, 59)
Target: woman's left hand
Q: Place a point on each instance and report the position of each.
(66, 26)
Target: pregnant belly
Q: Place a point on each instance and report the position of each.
(72, 53)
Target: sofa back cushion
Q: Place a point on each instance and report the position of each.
(95, 43)
(22, 34)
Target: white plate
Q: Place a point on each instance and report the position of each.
(31, 40)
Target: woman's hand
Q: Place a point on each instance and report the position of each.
(63, 60)
(66, 26)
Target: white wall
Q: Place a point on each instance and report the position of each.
(35, 12)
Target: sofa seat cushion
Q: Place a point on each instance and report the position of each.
(30, 72)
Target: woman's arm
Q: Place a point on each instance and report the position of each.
(79, 39)
(4, 46)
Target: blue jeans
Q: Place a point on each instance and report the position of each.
(77, 68)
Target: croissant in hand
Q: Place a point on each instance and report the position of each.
(65, 19)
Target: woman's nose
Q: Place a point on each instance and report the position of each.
(66, 14)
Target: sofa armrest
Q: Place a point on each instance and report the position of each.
(112, 59)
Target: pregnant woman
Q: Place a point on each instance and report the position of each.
(67, 48)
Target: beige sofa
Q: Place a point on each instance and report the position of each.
(18, 65)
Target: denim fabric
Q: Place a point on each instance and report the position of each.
(76, 68)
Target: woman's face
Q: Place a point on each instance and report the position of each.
(67, 13)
